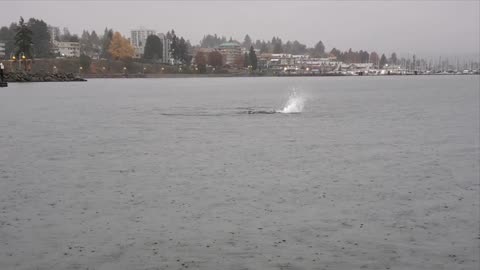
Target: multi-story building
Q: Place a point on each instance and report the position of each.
(61, 48)
(166, 48)
(230, 51)
(67, 49)
(138, 38)
(2, 49)
(284, 62)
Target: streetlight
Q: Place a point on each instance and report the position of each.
(24, 59)
(13, 60)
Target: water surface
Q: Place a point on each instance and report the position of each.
(373, 173)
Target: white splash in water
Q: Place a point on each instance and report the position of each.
(294, 104)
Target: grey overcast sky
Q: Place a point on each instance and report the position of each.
(428, 27)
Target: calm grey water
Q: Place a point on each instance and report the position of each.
(374, 173)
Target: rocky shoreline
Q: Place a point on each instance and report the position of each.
(42, 77)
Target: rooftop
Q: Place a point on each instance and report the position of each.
(229, 44)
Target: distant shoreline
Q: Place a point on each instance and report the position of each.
(173, 75)
(70, 77)
(179, 75)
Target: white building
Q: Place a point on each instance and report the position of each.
(138, 38)
(166, 48)
(330, 62)
(67, 49)
(2, 49)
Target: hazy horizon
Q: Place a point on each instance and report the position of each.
(426, 28)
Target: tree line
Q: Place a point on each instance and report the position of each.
(36, 39)
(33, 38)
(277, 46)
(30, 38)
(364, 57)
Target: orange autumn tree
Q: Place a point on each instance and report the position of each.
(120, 48)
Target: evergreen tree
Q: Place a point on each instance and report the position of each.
(85, 62)
(42, 46)
(74, 38)
(7, 35)
(23, 40)
(66, 36)
(393, 59)
(318, 50)
(383, 60)
(247, 41)
(298, 48)
(106, 40)
(96, 43)
(86, 47)
(179, 48)
(277, 48)
(212, 41)
(374, 58)
(253, 58)
(153, 48)
(263, 47)
(258, 44)
(335, 52)
(246, 60)
(348, 56)
(182, 55)
(364, 57)
(287, 47)
(277, 45)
